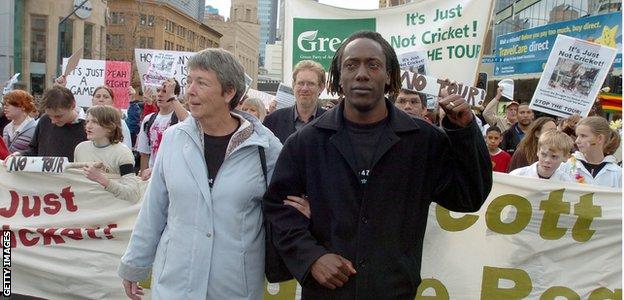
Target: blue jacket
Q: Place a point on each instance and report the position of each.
(133, 120)
(203, 243)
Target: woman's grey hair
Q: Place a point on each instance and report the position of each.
(259, 107)
(230, 72)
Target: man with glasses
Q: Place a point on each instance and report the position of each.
(308, 84)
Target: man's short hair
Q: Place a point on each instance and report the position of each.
(309, 65)
(423, 97)
(58, 97)
(556, 140)
(230, 72)
(493, 128)
(176, 89)
(392, 64)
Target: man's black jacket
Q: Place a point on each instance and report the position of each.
(378, 226)
(282, 121)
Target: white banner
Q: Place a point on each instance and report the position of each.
(68, 235)
(572, 77)
(531, 238)
(449, 32)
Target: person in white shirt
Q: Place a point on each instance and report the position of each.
(170, 111)
(104, 148)
(103, 95)
(553, 148)
(594, 163)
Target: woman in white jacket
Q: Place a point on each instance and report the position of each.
(594, 162)
(200, 229)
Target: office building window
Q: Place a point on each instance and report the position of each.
(146, 20)
(116, 41)
(38, 35)
(117, 18)
(67, 37)
(169, 26)
(146, 42)
(88, 41)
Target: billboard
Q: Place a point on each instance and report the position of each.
(526, 51)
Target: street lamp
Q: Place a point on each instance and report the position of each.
(570, 7)
(58, 48)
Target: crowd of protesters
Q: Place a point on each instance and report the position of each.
(377, 128)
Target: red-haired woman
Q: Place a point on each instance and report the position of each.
(17, 106)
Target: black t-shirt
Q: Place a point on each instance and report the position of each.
(364, 140)
(214, 153)
(594, 169)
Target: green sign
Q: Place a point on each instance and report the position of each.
(319, 39)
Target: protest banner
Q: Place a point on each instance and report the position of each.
(67, 235)
(89, 74)
(143, 58)
(572, 77)
(531, 238)
(432, 86)
(449, 32)
(284, 96)
(526, 51)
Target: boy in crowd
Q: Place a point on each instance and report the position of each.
(553, 148)
(412, 102)
(500, 158)
(60, 129)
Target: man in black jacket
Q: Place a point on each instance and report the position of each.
(369, 172)
(308, 84)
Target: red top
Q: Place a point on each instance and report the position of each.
(500, 161)
(148, 109)
(4, 152)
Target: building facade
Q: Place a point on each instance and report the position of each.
(273, 63)
(154, 25)
(241, 35)
(7, 20)
(37, 36)
(193, 8)
(267, 17)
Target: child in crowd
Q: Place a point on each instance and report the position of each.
(103, 95)
(594, 163)
(103, 128)
(500, 158)
(526, 153)
(17, 105)
(553, 148)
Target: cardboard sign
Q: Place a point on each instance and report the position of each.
(73, 60)
(432, 86)
(572, 77)
(285, 96)
(90, 74)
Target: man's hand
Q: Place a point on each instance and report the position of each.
(299, 203)
(169, 86)
(62, 81)
(332, 270)
(499, 93)
(457, 110)
(133, 290)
